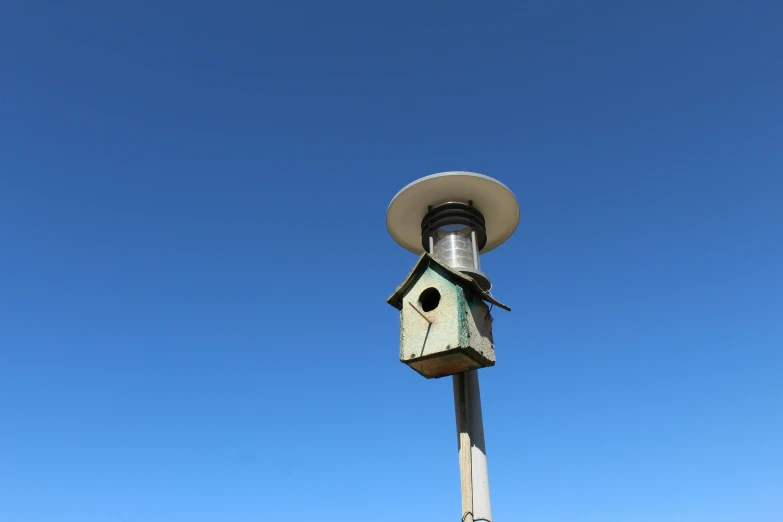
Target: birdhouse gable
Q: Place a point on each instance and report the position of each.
(427, 261)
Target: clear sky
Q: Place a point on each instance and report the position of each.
(194, 259)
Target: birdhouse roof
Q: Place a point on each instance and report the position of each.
(426, 261)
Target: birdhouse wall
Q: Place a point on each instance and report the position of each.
(420, 337)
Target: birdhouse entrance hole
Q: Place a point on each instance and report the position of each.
(429, 299)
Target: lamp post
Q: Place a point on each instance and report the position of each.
(450, 219)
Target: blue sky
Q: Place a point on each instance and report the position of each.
(194, 259)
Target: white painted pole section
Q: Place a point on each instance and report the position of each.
(478, 451)
(474, 476)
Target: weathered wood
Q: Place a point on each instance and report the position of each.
(445, 328)
(462, 411)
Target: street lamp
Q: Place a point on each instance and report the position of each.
(445, 324)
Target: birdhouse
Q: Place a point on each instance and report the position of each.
(445, 321)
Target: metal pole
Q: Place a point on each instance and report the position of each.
(474, 476)
(476, 263)
(474, 479)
